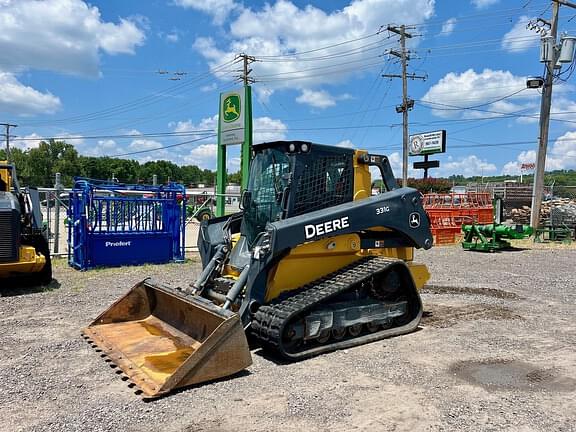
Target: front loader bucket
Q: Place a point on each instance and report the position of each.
(163, 339)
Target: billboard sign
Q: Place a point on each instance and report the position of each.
(427, 143)
(231, 117)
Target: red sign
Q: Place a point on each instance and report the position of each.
(527, 166)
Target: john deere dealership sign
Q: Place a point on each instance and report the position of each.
(428, 143)
(231, 125)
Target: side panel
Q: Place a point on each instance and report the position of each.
(399, 210)
(310, 261)
(129, 248)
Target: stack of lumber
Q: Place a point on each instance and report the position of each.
(556, 212)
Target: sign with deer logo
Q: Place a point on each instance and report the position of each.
(231, 124)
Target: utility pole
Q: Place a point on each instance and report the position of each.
(546, 102)
(8, 126)
(246, 151)
(246, 60)
(407, 104)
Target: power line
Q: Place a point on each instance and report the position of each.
(425, 103)
(486, 103)
(127, 136)
(322, 48)
(129, 106)
(163, 147)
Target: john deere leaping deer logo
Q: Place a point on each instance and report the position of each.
(231, 108)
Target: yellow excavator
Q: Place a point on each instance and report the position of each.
(24, 251)
(313, 263)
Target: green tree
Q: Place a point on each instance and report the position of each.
(46, 160)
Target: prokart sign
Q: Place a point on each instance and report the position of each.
(427, 143)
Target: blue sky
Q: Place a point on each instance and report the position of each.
(92, 70)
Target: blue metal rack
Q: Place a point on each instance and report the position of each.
(118, 224)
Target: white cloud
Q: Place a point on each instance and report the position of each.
(267, 129)
(16, 98)
(64, 36)
(395, 160)
(172, 37)
(448, 27)
(120, 38)
(27, 142)
(204, 155)
(283, 28)
(105, 147)
(209, 87)
(519, 38)
(144, 144)
(467, 166)
(317, 99)
(206, 124)
(481, 4)
(562, 155)
(61, 35)
(107, 144)
(218, 9)
(473, 89)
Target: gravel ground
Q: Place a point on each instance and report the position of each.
(495, 352)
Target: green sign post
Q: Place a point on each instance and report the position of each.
(234, 127)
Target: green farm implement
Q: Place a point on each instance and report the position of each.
(493, 237)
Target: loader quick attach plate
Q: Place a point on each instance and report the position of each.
(162, 339)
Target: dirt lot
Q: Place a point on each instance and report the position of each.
(496, 351)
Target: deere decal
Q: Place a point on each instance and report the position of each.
(231, 108)
(231, 123)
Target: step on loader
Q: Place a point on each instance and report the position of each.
(313, 263)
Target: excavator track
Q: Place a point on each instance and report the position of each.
(276, 325)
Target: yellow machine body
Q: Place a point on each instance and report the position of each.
(31, 258)
(5, 176)
(30, 261)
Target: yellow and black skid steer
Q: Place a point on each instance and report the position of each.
(313, 263)
(24, 251)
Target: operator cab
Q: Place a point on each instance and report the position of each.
(287, 179)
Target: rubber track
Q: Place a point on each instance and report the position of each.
(270, 320)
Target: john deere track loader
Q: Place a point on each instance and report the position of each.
(24, 253)
(313, 263)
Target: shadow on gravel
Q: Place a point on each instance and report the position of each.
(500, 374)
(276, 359)
(442, 316)
(21, 286)
(510, 249)
(489, 292)
(241, 374)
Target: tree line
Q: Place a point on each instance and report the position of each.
(38, 166)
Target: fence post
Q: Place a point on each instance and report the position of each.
(58, 187)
